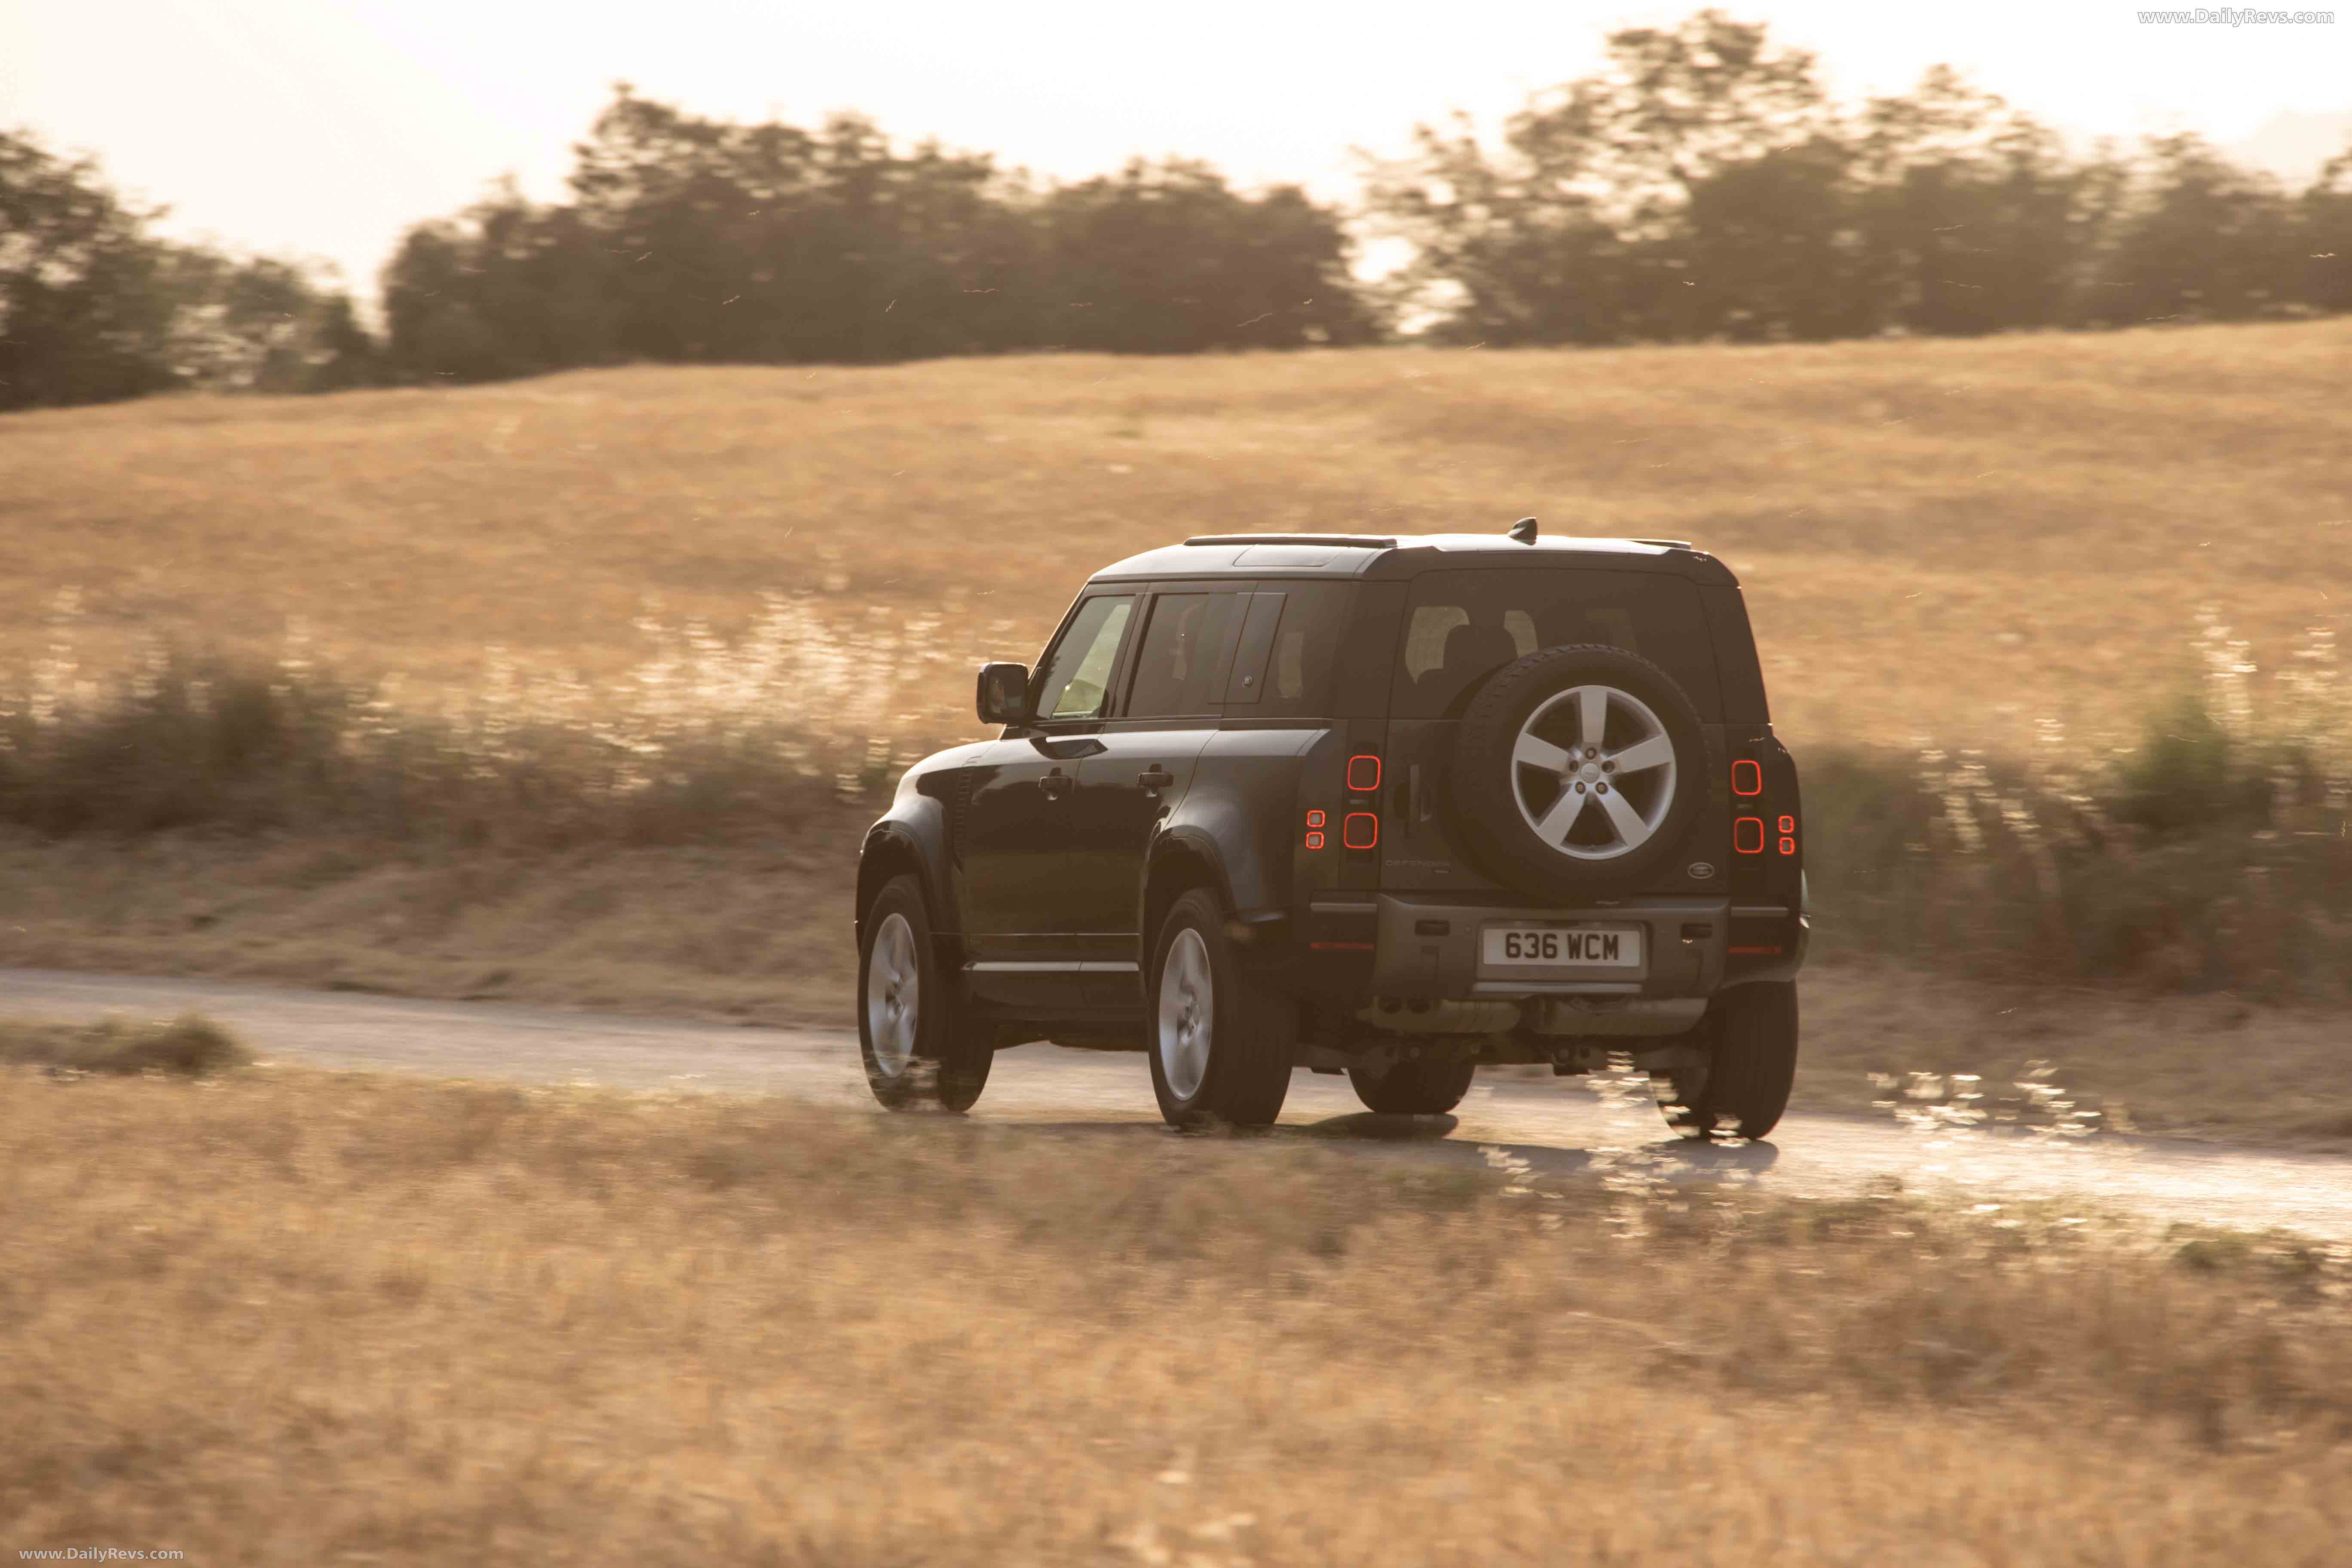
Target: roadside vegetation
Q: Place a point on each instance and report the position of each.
(2210, 855)
(315, 1317)
(190, 1044)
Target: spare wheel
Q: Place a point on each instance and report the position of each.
(1577, 773)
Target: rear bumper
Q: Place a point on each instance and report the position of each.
(1366, 945)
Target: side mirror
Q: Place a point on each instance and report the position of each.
(1003, 693)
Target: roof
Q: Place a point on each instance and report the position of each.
(1405, 555)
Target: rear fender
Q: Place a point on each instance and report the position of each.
(1770, 923)
(1242, 815)
(1182, 857)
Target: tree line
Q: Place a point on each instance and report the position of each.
(94, 308)
(1701, 187)
(691, 240)
(1704, 186)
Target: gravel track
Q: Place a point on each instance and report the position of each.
(1554, 1127)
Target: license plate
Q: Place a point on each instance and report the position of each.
(1562, 947)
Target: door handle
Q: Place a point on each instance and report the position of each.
(1155, 777)
(1055, 785)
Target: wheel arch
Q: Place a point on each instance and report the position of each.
(1179, 863)
(892, 849)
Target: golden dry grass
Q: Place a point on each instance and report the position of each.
(301, 1318)
(757, 934)
(290, 1317)
(1951, 539)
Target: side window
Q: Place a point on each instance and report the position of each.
(1076, 680)
(1186, 645)
(1289, 651)
(1247, 684)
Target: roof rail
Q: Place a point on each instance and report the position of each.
(1666, 544)
(1340, 541)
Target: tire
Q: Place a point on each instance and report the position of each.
(1749, 1034)
(1220, 1042)
(1430, 1086)
(1541, 817)
(918, 1047)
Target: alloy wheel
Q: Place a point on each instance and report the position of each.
(1187, 1014)
(893, 996)
(1592, 772)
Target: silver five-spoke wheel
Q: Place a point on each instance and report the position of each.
(894, 995)
(1592, 770)
(1187, 1014)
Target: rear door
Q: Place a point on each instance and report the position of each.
(1174, 692)
(1462, 625)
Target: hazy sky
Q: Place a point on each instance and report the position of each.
(322, 127)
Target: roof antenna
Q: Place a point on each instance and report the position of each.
(1524, 530)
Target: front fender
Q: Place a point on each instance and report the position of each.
(911, 837)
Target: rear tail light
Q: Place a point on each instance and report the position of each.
(1360, 830)
(1364, 773)
(1748, 834)
(1747, 777)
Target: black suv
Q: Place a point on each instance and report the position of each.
(1386, 806)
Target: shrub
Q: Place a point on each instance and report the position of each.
(2190, 774)
(191, 1045)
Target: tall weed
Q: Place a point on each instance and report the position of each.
(2211, 854)
(704, 738)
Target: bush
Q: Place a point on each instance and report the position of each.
(2202, 858)
(191, 1045)
(2189, 775)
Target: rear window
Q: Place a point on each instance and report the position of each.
(1461, 625)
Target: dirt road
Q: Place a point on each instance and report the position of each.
(1553, 1126)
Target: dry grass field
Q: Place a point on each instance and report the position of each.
(1971, 541)
(281, 1318)
(577, 689)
